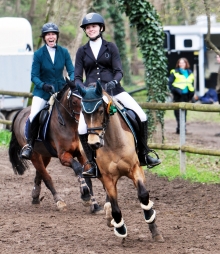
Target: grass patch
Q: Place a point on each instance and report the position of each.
(199, 168)
(196, 116)
(5, 137)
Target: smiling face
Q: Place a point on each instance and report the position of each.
(51, 39)
(182, 64)
(92, 30)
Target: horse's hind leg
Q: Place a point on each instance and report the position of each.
(147, 205)
(40, 164)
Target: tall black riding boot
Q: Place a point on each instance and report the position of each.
(27, 150)
(144, 150)
(93, 171)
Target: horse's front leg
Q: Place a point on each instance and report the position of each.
(95, 208)
(67, 160)
(37, 188)
(40, 163)
(147, 205)
(112, 208)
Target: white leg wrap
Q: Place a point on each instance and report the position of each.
(152, 218)
(120, 224)
(147, 207)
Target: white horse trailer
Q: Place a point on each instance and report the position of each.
(189, 42)
(16, 56)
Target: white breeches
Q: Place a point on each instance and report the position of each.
(37, 104)
(127, 101)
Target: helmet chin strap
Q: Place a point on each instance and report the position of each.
(94, 39)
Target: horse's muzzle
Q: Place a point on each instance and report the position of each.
(95, 146)
(95, 140)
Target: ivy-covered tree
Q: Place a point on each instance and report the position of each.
(144, 17)
(119, 36)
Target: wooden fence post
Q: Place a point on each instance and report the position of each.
(182, 114)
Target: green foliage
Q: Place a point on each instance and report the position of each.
(199, 168)
(144, 17)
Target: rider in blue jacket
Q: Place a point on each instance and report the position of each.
(47, 75)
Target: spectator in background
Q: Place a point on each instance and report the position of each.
(209, 97)
(181, 85)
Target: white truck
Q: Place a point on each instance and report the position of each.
(16, 56)
(189, 41)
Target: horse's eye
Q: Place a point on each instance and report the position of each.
(101, 111)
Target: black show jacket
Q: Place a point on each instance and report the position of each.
(105, 68)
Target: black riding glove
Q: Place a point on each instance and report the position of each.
(111, 84)
(48, 88)
(71, 84)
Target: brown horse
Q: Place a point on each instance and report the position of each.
(116, 156)
(61, 140)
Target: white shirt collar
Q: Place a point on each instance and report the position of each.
(95, 46)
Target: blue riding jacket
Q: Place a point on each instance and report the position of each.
(44, 71)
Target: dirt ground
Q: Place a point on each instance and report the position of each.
(187, 214)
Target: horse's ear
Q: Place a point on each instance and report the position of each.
(98, 90)
(81, 90)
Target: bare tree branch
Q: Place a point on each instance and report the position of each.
(208, 37)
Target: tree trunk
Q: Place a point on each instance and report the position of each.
(17, 7)
(49, 9)
(83, 8)
(32, 11)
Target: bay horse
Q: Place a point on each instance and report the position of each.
(116, 156)
(63, 141)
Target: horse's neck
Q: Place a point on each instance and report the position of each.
(115, 132)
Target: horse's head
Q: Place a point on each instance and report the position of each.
(70, 101)
(95, 111)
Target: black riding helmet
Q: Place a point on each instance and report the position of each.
(49, 27)
(93, 18)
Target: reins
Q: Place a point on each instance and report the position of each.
(71, 114)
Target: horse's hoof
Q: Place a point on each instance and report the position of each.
(121, 232)
(35, 201)
(86, 203)
(159, 238)
(61, 205)
(97, 210)
(109, 222)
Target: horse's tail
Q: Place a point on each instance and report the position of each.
(18, 164)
